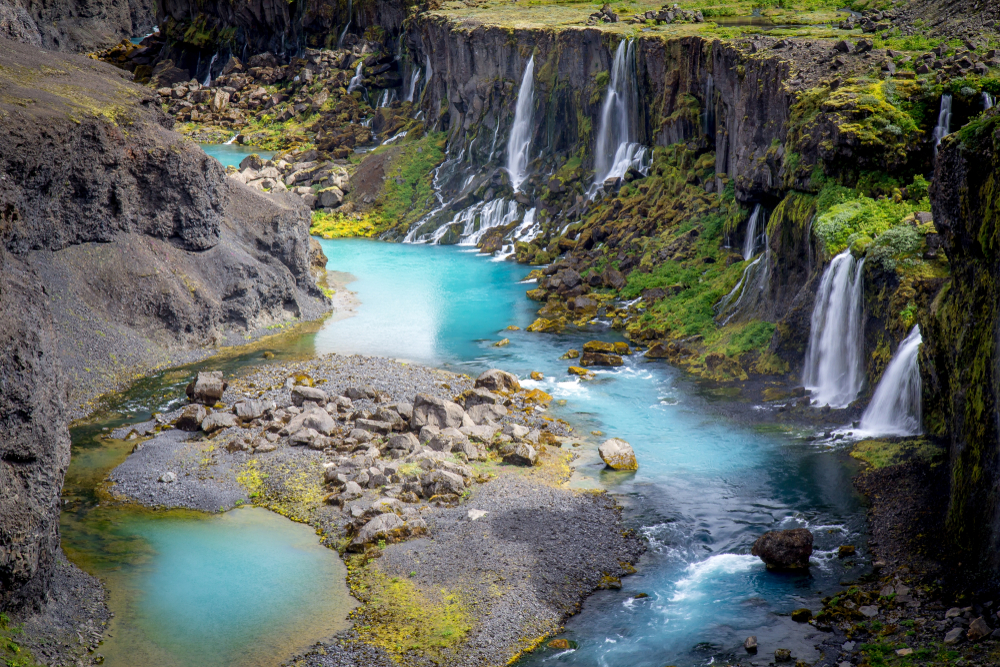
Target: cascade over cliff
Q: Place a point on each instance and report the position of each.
(124, 247)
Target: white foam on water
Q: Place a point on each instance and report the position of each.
(697, 574)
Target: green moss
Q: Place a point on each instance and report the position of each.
(883, 453)
(843, 223)
(12, 654)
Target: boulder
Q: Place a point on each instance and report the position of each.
(220, 101)
(316, 419)
(481, 433)
(191, 418)
(470, 451)
(485, 414)
(304, 437)
(600, 359)
(301, 394)
(217, 421)
(373, 426)
(784, 549)
(618, 454)
(168, 477)
(442, 482)
(432, 411)
(207, 388)
(478, 396)
(599, 346)
(386, 526)
(515, 431)
(498, 380)
(522, 454)
(978, 629)
(252, 409)
(405, 441)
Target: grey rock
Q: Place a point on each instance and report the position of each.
(252, 409)
(870, 611)
(168, 477)
(441, 482)
(515, 430)
(405, 441)
(304, 437)
(386, 526)
(433, 411)
(487, 413)
(498, 380)
(523, 454)
(953, 636)
(192, 417)
(218, 420)
(315, 419)
(207, 388)
(301, 394)
(482, 434)
(618, 454)
(373, 426)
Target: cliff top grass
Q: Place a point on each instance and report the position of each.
(723, 18)
(884, 453)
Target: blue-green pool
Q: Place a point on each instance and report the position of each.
(230, 155)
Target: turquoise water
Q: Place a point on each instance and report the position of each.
(230, 155)
(706, 488)
(247, 587)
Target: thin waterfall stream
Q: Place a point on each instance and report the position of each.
(895, 408)
(519, 143)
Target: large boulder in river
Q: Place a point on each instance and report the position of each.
(437, 412)
(618, 454)
(498, 380)
(784, 549)
(207, 388)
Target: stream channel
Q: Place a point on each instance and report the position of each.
(251, 588)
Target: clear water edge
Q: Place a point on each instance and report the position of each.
(705, 489)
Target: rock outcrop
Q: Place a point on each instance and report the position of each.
(960, 354)
(76, 25)
(122, 247)
(784, 549)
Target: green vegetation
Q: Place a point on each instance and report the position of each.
(12, 654)
(402, 618)
(883, 453)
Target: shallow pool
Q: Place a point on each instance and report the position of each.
(230, 155)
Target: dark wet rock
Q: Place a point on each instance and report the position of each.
(600, 359)
(784, 549)
(782, 655)
(750, 644)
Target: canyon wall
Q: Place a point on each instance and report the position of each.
(961, 357)
(75, 25)
(124, 247)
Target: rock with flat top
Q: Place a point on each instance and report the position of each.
(522, 454)
(217, 421)
(498, 380)
(438, 412)
(191, 418)
(302, 393)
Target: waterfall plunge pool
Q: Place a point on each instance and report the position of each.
(706, 488)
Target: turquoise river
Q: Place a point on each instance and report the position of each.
(247, 583)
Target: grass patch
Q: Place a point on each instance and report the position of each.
(12, 654)
(403, 618)
(883, 453)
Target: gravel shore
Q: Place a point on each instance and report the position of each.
(521, 551)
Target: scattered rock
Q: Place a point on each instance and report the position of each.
(168, 477)
(782, 655)
(802, 615)
(522, 454)
(600, 359)
(750, 644)
(870, 611)
(978, 629)
(498, 380)
(784, 549)
(432, 411)
(953, 636)
(386, 526)
(191, 418)
(845, 550)
(301, 394)
(217, 421)
(476, 514)
(618, 454)
(207, 388)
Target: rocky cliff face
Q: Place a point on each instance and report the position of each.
(961, 354)
(76, 25)
(124, 247)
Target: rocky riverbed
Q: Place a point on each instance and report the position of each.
(414, 474)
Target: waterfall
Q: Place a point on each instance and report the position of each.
(387, 97)
(988, 101)
(708, 118)
(834, 368)
(749, 292)
(616, 149)
(520, 133)
(208, 76)
(232, 139)
(414, 77)
(356, 79)
(895, 407)
(350, 11)
(752, 241)
(526, 232)
(430, 72)
(944, 121)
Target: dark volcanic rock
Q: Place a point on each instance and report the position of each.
(34, 441)
(75, 25)
(784, 549)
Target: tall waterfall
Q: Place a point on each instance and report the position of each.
(895, 408)
(208, 77)
(943, 127)
(988, 101)
(834, 369)
(350, 10)
(356, 79)
(519, 142)
(754, 233)
(616, 149)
